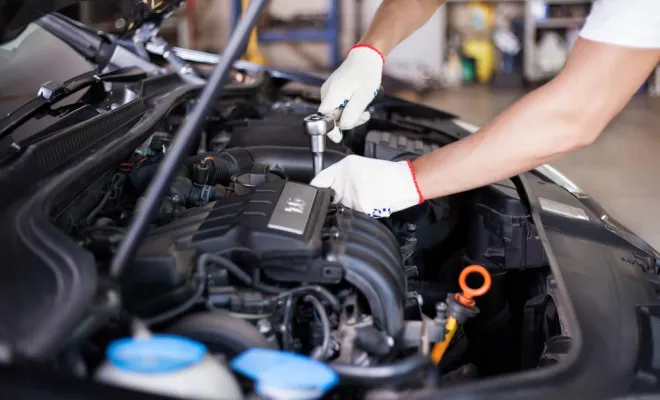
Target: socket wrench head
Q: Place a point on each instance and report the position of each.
(318, 124)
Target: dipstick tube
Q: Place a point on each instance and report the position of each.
(440, 348)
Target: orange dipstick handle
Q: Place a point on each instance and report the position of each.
(467, 297)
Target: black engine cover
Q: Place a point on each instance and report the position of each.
(294, 235)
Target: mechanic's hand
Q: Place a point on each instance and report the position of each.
(375, 187)
(350, 89)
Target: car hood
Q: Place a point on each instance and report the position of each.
(15, 15)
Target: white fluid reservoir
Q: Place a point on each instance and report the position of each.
(169, 365)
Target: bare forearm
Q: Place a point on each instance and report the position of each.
(567, 113)
(395, 20)
(530, 133)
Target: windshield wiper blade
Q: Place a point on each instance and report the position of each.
(54, 92)
(49, 93)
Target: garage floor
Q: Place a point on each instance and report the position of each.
(620, 170)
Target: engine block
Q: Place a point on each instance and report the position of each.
(295, 235)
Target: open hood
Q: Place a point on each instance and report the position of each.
(15, 15)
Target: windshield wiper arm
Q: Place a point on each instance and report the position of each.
(54, 92)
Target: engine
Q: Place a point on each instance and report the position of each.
(243, 253)
(238, 256)
(291, 234)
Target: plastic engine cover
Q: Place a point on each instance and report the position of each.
(279, 222)
(295, 236)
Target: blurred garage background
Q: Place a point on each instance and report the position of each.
(473, 58)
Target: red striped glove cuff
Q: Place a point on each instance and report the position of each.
(414, 177)
(366, 46)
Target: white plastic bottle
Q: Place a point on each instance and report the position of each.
(170, 365)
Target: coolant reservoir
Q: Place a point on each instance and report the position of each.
(169, 365)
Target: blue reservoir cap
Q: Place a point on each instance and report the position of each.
(280, 374)
(155, 354)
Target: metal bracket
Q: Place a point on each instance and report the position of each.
(422, 333)
(146, 40)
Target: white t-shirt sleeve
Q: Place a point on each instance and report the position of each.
(630, 23)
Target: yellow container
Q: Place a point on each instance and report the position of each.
(483, 51)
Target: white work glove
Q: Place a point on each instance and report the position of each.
(376, 187)
(349, 90)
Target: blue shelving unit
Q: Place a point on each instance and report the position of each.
(329, 34)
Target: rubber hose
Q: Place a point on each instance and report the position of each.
(321, 352)
(314, 289)
(390, 374)
(225, 164)
(220, 332)
(287, 338)
(289, 308)
(237, 272)
(295, 162)
(227, 264)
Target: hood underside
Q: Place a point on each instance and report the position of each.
(15, 15)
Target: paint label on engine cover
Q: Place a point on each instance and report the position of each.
(293, 208)
(562, 209)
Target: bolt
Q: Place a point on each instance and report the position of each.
(112, 297)
(264, 326)
(441, 309)
(120, 23)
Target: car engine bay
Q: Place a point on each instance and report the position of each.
(243, 253)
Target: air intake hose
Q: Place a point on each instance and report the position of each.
(223, 165)
(294, 162)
